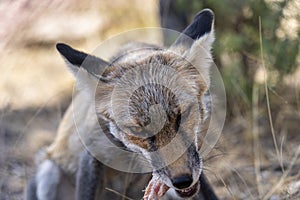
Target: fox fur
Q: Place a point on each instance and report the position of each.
(161, 94)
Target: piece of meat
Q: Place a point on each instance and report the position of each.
(155, 189)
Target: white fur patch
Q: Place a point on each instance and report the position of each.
(47, 179)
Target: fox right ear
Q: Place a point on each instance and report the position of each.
(200, 32)
(195, 43)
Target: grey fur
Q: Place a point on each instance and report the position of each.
(184, 68)
(47, 180)
(88, 177)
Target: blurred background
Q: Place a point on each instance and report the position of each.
(257, 156)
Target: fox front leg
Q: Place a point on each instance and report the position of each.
(88, 176)
(44, 184)
(206, 189)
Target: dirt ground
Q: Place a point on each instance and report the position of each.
(36, 89)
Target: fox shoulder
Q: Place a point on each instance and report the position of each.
(66, 147)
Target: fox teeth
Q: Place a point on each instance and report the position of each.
(187, 189)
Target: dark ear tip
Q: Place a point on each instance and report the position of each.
(207, 13)
(61, 47)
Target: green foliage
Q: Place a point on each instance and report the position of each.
(286, 54)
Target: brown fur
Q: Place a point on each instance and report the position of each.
(146, 98)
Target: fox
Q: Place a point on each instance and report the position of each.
(148, 101)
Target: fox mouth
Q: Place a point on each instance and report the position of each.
(188, 192)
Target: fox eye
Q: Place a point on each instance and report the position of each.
(178, 122)
(135, 130)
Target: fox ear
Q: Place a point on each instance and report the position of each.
(195, 43)
(76, 59)
(200, 31)
(87, 69)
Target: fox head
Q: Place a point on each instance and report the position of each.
(153, 99)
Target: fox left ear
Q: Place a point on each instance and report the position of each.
(91, 67)
(76, 59)
(195, 43)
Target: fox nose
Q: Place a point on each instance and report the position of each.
(182, 182)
